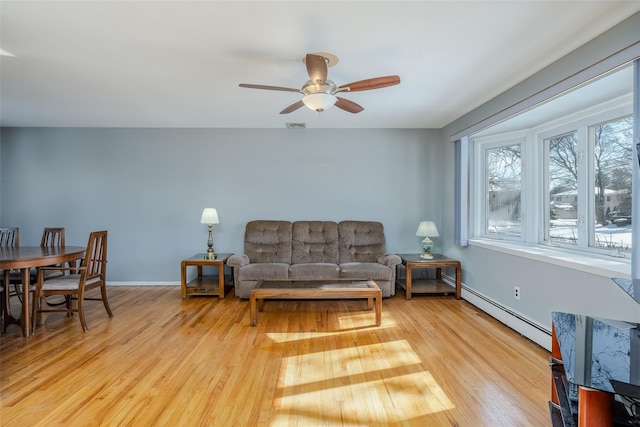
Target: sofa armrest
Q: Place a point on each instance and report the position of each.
(390, 260)
(238, 260)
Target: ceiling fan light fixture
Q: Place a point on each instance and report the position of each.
(319, 101)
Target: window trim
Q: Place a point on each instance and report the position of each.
(608, 111)
(576, 260)
(621, 58)
(479, 205)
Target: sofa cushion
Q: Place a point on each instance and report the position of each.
(360, 241)
(263, 270)
(365, 270)
(314, 241)
(314, 270)
(268, 241)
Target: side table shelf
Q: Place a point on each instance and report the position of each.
(216, 284)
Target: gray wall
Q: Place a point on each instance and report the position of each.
(544, 287)
(148, 186)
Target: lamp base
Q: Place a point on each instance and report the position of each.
(210, 253)
(427, 245)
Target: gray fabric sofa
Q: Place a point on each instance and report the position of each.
(313, 250)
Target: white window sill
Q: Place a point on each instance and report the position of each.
(602, 266)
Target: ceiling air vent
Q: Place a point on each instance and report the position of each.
(296, 125)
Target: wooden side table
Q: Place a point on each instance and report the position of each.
(214, 284)
(430, 286)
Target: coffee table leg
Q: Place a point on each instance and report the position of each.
(252, 309)
(369, 303)
(379, 309)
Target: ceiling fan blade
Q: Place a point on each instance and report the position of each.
(285, 89)
(292, 107)
(317, 68)
(347, 105)
(375, 83)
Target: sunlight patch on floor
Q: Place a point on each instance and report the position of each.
(388, 399)
(359, 359)
(364, 319)
(284, 337)
(333, 386)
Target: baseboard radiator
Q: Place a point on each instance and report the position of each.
(516, 321)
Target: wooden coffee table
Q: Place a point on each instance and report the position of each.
(315, 289)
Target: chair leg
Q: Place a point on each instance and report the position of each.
(83, 322)
(3, 310)
(6, 295)
(35, 313)
(103, 290)
(18, 292)
(7, 318)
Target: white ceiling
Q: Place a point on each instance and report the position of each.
(179, 63)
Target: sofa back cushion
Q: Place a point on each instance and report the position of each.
(360, 241)
(268, 241)
(314, 241)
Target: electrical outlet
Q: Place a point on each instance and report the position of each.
(516, 292)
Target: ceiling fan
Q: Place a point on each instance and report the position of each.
(320, 93)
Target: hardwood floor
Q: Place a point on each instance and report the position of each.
(161, 360)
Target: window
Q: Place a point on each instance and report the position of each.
(612, 174)
(503, 189)
(600, 156)
(561, 173)
(562, 181)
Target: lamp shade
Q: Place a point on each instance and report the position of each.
(209, 216)
(319, 101)
(427, 229)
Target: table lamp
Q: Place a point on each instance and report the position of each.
(427, 229)
(210, 217)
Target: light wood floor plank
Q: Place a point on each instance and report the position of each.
(162, 360)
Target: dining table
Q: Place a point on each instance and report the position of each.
(25, 258)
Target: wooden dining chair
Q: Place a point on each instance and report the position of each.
(51, 237)
(90, 275)
(12, 280)
(9, 238)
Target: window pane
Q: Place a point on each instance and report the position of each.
(612, 163)
(504, 170)
(563, 188)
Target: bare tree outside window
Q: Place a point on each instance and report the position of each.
(563, 188)
(612, 163)
(611, 159)
(504, 174)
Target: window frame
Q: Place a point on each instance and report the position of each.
(535, 186)
(480, 185)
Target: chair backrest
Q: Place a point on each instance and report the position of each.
(95, 258)
(9, 237)
(52, 236)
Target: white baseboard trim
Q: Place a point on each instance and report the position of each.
(110, 283)
(513, 319)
